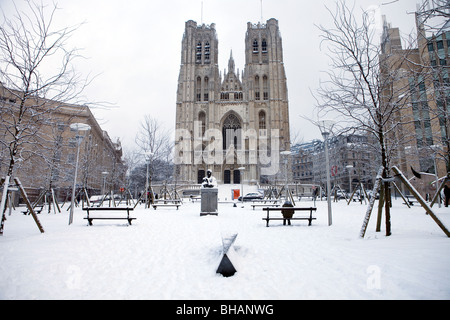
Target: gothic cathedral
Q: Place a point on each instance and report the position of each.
(234, 124)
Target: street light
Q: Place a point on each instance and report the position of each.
(242, 184)
(76, 127)
(148, 155)
(325, 127)
(436, 149)
(349, 178)
(104, 174)
(286, 153)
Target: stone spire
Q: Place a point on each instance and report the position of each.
(231, 63)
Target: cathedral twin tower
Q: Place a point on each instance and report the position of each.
(235, 125)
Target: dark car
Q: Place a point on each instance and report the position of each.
(252, 196)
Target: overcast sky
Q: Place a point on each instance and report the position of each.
(135, 49)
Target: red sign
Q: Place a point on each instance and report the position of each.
(333, 171)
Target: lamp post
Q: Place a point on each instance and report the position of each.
(436, 149)
(242, 184)
(325, 127)
(79, 138)
(148, 155)
(104, 173)
(349, 178)
(286, 154)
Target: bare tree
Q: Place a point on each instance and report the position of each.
(36, 78)
(154, 142)
(28, 48)
(359, 92)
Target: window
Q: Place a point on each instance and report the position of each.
(264, 46)
(257, 90)
(206, 89)
(262, 120)
(430, 47)
(255, 46)
(207, 52)
(440, 44)
(199, 89)
(198, 55)
(265, 88)
(202, 119)
(231, 132)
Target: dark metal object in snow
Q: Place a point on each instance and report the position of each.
(226, 268)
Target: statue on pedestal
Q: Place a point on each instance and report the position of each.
(209, 181)
(209, 192)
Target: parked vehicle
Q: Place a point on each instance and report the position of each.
(252, 196)
(95, 200)
(340, 195)
(370, 193)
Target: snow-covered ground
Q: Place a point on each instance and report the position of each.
(174, 254)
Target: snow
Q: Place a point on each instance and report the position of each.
(174, 254)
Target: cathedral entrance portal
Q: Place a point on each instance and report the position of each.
(231, 132)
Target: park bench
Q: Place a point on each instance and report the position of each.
(167, 203)
(310, 218)
(265, 205)
(109, 217)
(37, 209)
(155, 205)
(411, 200)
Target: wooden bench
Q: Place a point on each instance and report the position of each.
(127, 209)
(166, 205)
(411, 200)
(36, 209)
(265, 205)
(166, 201)
(310, 218)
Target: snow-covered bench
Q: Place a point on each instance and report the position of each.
(310, 218)
(411, 200)
(37, 209)
(265, 205)
(109, 217)
(166, 205)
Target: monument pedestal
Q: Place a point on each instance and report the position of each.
(209, 201)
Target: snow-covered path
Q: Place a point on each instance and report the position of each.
(174, 254)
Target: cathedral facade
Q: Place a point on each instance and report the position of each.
(235, 124)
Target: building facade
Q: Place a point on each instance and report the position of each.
(422, 85)
(350, 162)
(233, 123)
(47, 155)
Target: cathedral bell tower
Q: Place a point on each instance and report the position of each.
(226, 123)
(198, 87)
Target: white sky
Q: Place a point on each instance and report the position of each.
(135, 48)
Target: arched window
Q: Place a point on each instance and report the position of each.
(264, 46)
(198, 54)
(262, 120)
(257, 89)
(231, 132)
(255, 46)
(265, 88)
(206, 89)
(207, 52)
(198, 89)
(202, 119)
